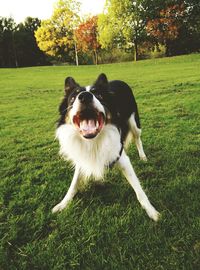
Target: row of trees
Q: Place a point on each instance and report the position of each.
(144, 24)
(68, 38)
(18, 46)
(133, 26)
(136, 26)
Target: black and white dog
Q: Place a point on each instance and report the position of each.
(95, 124)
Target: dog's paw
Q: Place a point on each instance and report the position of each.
(155, 215)
(143, 158)
(58, 208)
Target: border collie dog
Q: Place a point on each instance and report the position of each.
(95, 124)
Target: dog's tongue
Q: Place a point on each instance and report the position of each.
(88, 127)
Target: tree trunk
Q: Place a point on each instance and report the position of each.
(95, 57)
(76, 54)
(14, 51)
(135, 51)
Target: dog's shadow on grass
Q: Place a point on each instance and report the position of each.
(104, 193)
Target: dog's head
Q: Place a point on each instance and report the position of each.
(83, 107)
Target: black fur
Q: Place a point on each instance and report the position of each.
(118, 98)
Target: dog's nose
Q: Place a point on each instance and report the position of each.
(85, 97)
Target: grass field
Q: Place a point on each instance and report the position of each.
(104, 227)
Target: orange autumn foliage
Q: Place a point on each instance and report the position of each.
(167, 25)
(86, 36)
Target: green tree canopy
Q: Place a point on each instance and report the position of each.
(7, 47)
(123, 23)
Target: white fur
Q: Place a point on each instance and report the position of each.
(128, 171)
(90, 155)
(136, 134)
(88, 88)
(70, 193)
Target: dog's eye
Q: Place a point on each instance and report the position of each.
(96, 94)
(92, 90)
(78, 91)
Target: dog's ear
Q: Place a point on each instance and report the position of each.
(70, 84)
(101, 82)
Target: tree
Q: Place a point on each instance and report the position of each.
(175, 23)
(18, 45)
(27, 51)
(86, 36)
(56, 35)
(125, 22)
(166, 27)
(188, 39)
(7, 42)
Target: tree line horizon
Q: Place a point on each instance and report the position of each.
(125, 31)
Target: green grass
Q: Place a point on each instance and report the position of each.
(104, 227)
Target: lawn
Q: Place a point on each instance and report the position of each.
(104, 227)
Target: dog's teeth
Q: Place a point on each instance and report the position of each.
(83, 125)
(88, 126)
(91, 124)
(97, 124)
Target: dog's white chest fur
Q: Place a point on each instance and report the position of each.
(92, 156)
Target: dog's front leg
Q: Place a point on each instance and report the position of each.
(128, 171)
(71, 192)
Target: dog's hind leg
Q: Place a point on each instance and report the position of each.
(128, 171)
(136, 135)
(71, 192)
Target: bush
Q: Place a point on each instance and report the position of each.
(115, 56)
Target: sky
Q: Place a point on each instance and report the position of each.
(42, 9)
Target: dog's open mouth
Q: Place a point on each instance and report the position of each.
(89, 126)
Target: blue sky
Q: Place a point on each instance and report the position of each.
(42, 9)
